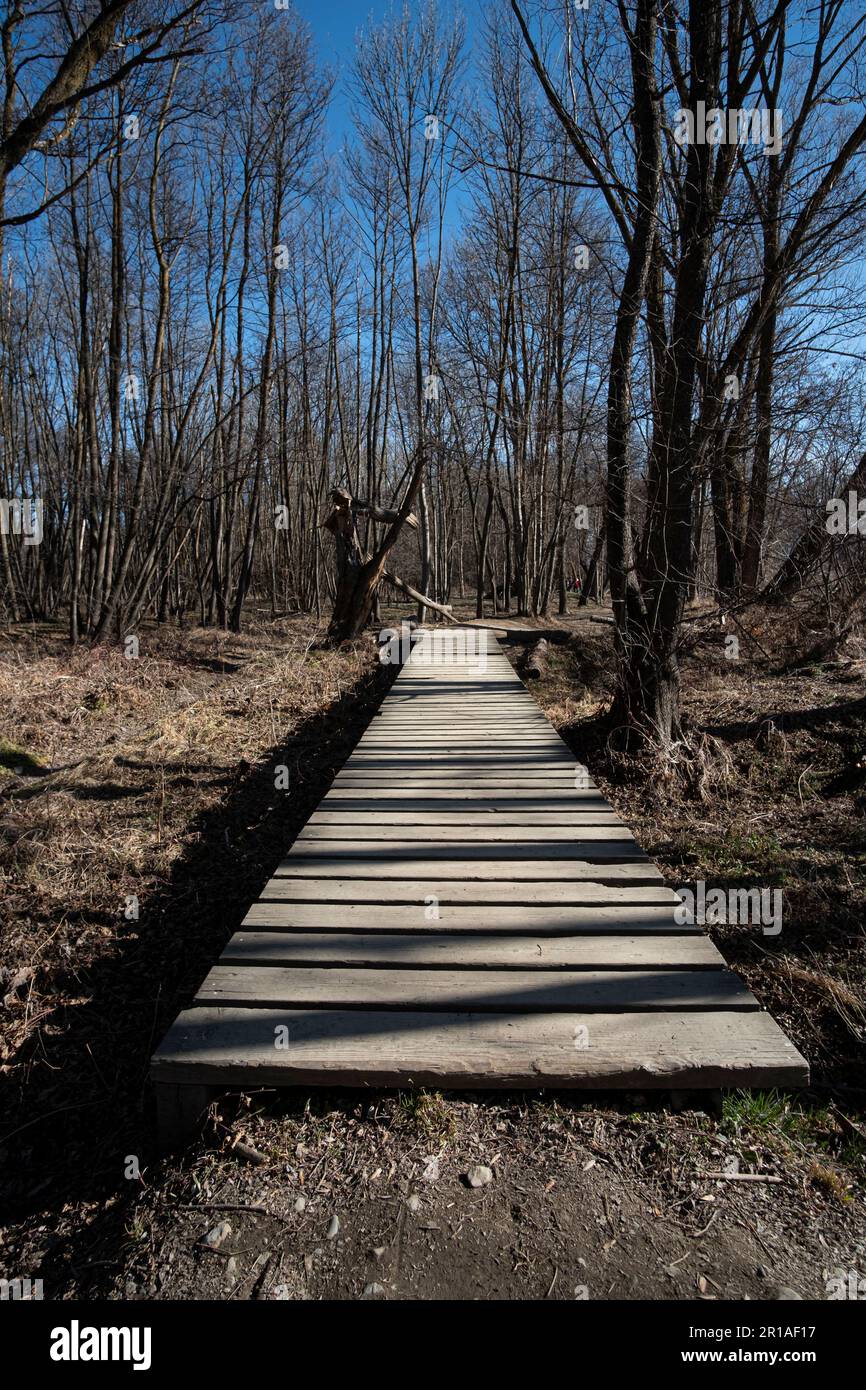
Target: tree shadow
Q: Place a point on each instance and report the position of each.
(789, 720)
(218, 665)
(22, 764)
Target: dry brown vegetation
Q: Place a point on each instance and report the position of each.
(151, 779)
(768, 789)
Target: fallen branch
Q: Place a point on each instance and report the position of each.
(742, 1177)
(254, 1207)
(399, 583)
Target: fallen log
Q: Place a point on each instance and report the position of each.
(526, 636)
(536, 661)
(818, 653)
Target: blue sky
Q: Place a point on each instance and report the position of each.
(334, 24)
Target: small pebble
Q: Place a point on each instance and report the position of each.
(300, 1204)
(372, 1290)
(413, 1202)
(333, 1228)
(217, 1235)
(784, 1294)
(479, 1176)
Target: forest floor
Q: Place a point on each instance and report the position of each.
(152, 780)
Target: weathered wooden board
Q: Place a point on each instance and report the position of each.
(397, 769)
(476, 798)
(469, 729)
(471, 755)
(471, 726)
(489, 818)
(420, 916)
(508, 854)
(359, 866)
(491, 991)
(586, 892)
(490, 833)
(325, 1047)
(471, 950)
(463, 798)
(476, 777)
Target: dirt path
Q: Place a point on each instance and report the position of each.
(581, 1202)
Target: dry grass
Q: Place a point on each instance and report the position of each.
(140, 817)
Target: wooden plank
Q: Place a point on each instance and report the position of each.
(460, 892)
(468, 724)
(509, 732)
(506, 853)
(447, 690)
(277, 913)
(425, 727)
(475, 740)
(489, 818)
(541, 754)
(472, 950)
(396, 766)
(493, 779)
(488, 991)
(370, 866)
(491, 833)
(463, 693)
(429, 772)
(517, 796)
(476, 735)
(395, 772)
(470, 752)
(427, 782)
(453, 732)
(238, 1047)
(466, 702)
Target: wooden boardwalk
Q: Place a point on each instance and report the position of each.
(464, 909)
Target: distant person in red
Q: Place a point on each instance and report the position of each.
(574, 584)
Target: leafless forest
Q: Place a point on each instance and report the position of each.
(515, 301)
